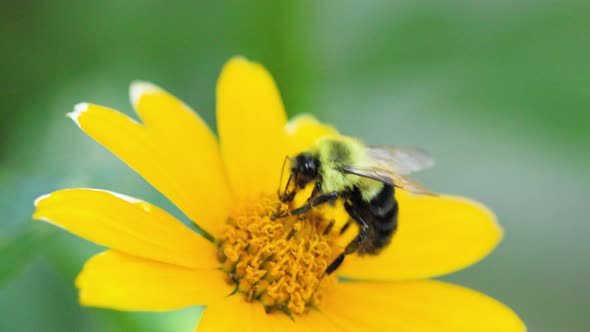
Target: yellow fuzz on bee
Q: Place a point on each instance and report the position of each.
(280, 263)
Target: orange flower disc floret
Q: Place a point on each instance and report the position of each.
(280, 263)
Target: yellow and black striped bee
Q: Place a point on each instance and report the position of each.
(365, 178)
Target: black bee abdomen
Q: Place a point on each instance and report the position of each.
(382, 204)
(381, 214)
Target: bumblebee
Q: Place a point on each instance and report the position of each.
(365, 178)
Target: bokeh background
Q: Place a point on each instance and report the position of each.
(498, 91)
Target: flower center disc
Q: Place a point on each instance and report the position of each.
(280, 263)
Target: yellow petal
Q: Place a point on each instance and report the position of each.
(126, 224)
(174, 151)
(316, 321)
(235, 314)
(187, 137)
(436, 235)
(417, 306)
(118, 281)
(250, 119)
(303, 130)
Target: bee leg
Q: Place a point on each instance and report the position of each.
(354, 245)
(286, 198)
(318, 200)
(284, 194)
(329, 227)
(317, 189)
(335, 264)
(345, 227)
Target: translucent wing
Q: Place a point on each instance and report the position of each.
(390, 177)
(401, 160)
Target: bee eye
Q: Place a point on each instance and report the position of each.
(305, 169)
(310, 168)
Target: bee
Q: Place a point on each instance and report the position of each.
(365, 178)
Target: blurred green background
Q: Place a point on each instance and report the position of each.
(498, 91)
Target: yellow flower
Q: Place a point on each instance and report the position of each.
(252, 273)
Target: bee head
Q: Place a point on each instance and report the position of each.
(304, 169)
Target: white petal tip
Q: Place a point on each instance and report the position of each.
(138, 89)
(78, 110)
(129, 199)
(40, 198)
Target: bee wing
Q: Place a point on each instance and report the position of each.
(388, 176)
(401, 160)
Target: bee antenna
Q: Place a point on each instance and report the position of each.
(281, 179)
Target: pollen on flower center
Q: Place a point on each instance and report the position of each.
(280, 263)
